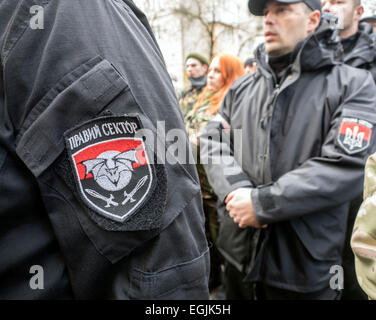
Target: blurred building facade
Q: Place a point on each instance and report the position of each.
(204, 26)
(207, 27)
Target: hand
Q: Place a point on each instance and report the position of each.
(240, 208)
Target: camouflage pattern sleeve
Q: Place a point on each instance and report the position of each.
(188, 99)
(363, 241)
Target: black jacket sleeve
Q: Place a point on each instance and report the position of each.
(217, 155)
(327, 180)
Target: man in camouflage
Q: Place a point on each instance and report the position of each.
(363, 241)
(196, 67)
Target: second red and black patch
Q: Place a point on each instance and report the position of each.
(354, 135)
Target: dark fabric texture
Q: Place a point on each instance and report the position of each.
(90, 60)
(264, 292)
(235, 286)
(360, 49)
(198, 82)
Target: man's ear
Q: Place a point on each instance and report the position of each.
(313, 21)
(206, 67)
(358, 13)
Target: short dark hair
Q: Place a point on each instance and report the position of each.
(249, 62)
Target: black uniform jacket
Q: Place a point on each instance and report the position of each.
(85, 193)
(362, 51)
(300, 146)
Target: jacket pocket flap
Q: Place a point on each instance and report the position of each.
(42, 141)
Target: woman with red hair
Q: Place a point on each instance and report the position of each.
(223, 71)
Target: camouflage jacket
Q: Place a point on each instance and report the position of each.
(363, 241)
(195, 122)
(188, 98)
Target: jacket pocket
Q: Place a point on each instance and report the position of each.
(187, 279)
(235, 244)
(79, 96)
(120, 199)
(323, 241)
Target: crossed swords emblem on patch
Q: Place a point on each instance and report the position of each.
(128, 197)
(112, 171)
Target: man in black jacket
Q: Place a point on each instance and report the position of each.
(358, 39)
(89, 208)
(285, 155)
(359, 45)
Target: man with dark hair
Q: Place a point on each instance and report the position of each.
(285, 155)
(358, 41)
(250, 65)
(88, 208)
(196, 66)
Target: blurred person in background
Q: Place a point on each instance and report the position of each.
(250, 66)
(358, 41)
(371, 20)
(223, 71)
(196, 66)
(357, 37)
(363, 241)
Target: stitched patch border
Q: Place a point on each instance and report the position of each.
(354, 135)
(111, 167)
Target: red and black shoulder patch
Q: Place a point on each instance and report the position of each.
(112, 171)
(354, 135)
